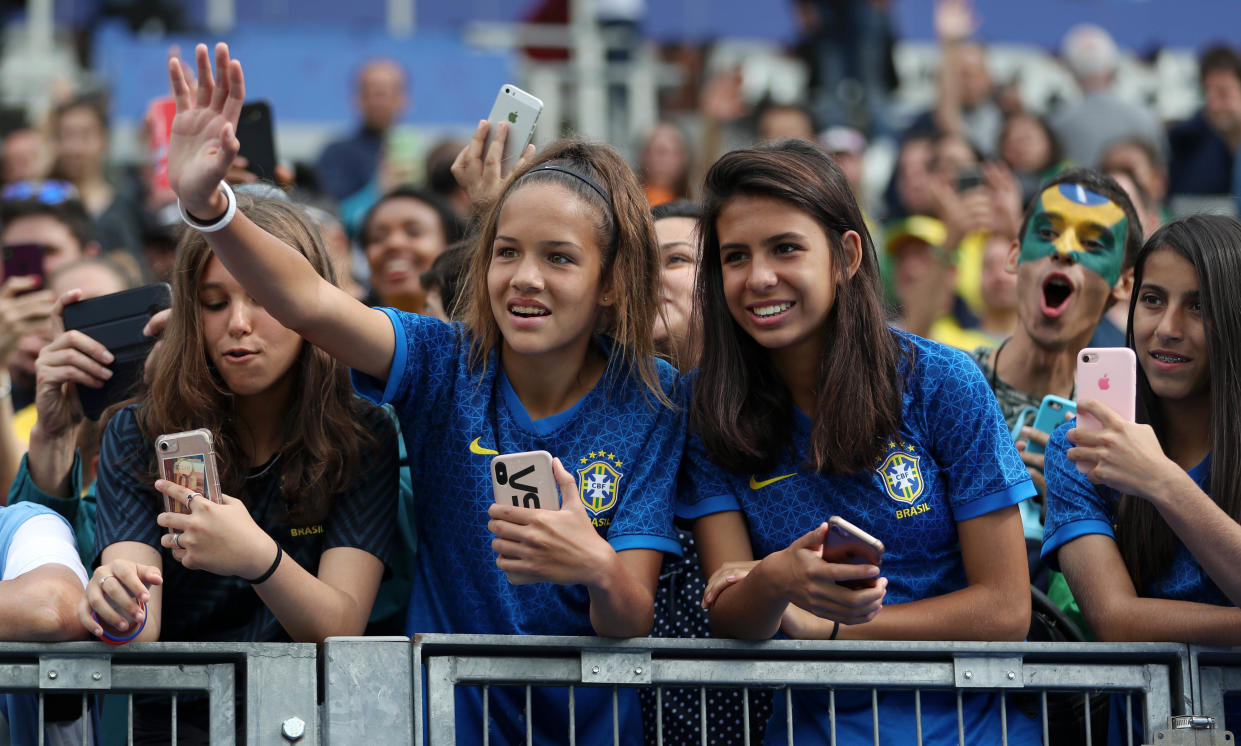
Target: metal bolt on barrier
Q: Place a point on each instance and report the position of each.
(51, 675)
(969, 674)
(96, 676)
(638, 670)
(293, 729)
(594, 669)
(1012, 675)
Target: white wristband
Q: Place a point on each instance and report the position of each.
(218, 223)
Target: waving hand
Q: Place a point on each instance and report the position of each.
(204, 140)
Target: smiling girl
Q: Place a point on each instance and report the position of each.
(555, 353)
(1149, 536)
(806, 406)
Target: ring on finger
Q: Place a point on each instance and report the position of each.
(103, 578)
(176, 540)
(190, 497)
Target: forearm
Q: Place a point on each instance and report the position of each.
(41, 606)
(309, 609)
(1137, 619)
(976, 612)
(10, 448)
(750, 609)
(948, 102)
(50, 461)
(620, 606)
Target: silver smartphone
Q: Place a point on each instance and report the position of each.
(525, 480)
(521, 111)
(188, 459)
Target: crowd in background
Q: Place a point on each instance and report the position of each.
(1016, 236)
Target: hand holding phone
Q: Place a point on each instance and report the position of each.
(520, 111)
(1051, 415)
(188, 459)
(24, 260)
(117, 321)
(848, 544)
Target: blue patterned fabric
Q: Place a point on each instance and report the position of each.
(623, 447)
(952, 460)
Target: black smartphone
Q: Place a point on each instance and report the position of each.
(116, 322)
(256, 131)
(24, 260)
(968, 178)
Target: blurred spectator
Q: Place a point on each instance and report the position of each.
(1203, 147)
(847, 147)
(1030, 149)
(348, 165)
(849, 48)
(908, 191)
(440, 179)
(49, 217)
(402, 235)
(160, 231)
(80, 140)
(1101, 117)
(339, 249)
(964, 103)
(784, 121)
(25, 155)
(1146, 164)
(442, 281)
(1149, 211)
(664, 164)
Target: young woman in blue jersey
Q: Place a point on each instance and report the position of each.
(1149, 535)
(807, 405)
(554, 354)
(298, 547)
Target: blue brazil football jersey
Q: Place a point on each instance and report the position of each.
(952, 460)
(1076, 507)
(623, 447)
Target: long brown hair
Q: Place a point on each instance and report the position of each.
(1212, 243)
(626, 238)
(741, 406)
(323, 436)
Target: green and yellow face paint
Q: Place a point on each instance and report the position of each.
(1071, 220)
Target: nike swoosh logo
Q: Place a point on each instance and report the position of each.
(757, 485)
(481, 450)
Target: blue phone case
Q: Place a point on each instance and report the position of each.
(1050, 416)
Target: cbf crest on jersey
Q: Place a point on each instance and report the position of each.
(901, 476)
(598, 481)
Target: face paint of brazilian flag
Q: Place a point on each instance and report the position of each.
(1073, 221)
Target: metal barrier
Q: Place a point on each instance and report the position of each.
(365, 699)
(276, 681)
(1215, 673)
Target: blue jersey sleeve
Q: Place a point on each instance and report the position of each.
(1075, 506)
(702, 487)
(970, 441)
(424, 356)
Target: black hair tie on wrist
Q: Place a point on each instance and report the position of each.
(275, 563)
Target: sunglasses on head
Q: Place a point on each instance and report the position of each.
(47, 191)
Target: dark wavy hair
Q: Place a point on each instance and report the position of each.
(625, 235)
(1212, 243)
(740, 406)
(323, 437)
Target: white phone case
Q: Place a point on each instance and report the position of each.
(1108, 375)
(188, 459)
(525, 480)
(521, 111)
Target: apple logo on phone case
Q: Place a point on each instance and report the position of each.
(1104, 384)
(512, 117)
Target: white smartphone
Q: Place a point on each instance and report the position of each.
(1109, 375)
(525, 480)
(521, 111)
(188, 459)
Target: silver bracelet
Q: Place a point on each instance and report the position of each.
(218, 223)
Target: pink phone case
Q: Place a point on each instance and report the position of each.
(1108, 375)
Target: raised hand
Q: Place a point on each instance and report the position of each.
(23, 310)
(204, 141)
(478, 167)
